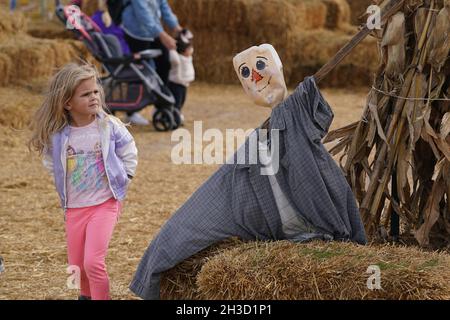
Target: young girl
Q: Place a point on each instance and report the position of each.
(182, 71)
(92, 158)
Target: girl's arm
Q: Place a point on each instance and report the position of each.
(129, 156)
(174, 58)
(126, 149)
(168, 16)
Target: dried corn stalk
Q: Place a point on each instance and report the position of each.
(402, 142)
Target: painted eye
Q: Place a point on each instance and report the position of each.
(260, 65)
(245, 72)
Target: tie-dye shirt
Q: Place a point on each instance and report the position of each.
(87, 183)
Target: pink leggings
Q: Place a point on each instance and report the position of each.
(88, 232)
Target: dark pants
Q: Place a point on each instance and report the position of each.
(179, 92)
(162, 62)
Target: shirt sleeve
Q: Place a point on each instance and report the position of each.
(129, 156)
(122, 135)
(167, 15)
(126, 149)
(307, 108)
(174, 58)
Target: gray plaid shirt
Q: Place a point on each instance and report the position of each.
(237, 201)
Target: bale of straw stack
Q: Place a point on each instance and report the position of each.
(250, 17)
(89, 6)
(315, 48)
(224, 28)
(49, 30)
(24, 58)
(338, 14)
(358, 10)
(11, 23)
(315, 271)
(397, 158)
(180, 281)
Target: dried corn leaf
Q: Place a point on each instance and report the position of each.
(394, 41)
(444, 147)
(431, 214)
(376, 107)
(439, 46)
(438, 169)
(340, 146)
(340, 133)
(445, 126)
(414, 109)
(405, 135)
(403, 161)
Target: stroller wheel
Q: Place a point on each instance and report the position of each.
(176, 117)
(163, 120)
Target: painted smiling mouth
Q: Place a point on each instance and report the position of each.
(268, 83)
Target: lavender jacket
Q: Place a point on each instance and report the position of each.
(119, 155)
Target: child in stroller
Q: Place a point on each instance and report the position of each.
(131, 82)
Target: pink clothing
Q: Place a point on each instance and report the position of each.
(88, 232)
(86, 180)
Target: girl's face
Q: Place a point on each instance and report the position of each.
(85, 102)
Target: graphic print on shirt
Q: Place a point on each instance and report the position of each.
(86, 170)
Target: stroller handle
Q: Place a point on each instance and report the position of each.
(150, 53)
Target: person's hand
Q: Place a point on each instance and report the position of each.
(168, 42)
(106, 18)
(177, 29)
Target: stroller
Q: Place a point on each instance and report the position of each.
(131, 84)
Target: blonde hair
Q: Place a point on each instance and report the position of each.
(51, 116)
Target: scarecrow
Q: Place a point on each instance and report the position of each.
(297, 193)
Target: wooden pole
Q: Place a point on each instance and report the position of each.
(388, 11)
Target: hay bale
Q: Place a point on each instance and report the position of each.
(5, 69)
(358, 8)
(25, 59)
(316, 48)
(287, 271)
(89, 6)
(273, 17)
(338, 14)
(11, 24)
(49, 30)
(224, 28)
(302, 55)
(180, 282)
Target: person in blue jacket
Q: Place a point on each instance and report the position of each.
(141, 21)
(12, 5)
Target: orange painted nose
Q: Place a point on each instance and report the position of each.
(256, 77)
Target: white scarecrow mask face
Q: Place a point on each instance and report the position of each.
(261, 74)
